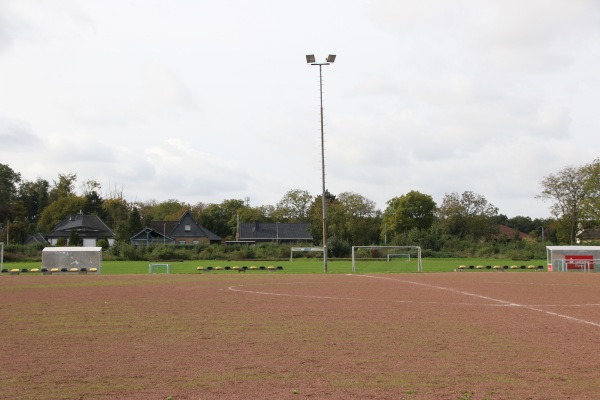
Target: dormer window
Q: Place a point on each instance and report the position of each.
(188, 228)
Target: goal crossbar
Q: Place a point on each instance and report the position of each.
(153, 266)
(417, 248)
(304, 249)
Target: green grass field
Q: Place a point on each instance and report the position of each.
(307, 266)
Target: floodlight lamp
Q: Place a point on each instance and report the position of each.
(331, 58)
(310, 58)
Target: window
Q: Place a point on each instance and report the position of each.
(188, 228)
(182, 242)
(196, 242)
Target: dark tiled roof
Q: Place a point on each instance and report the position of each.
(152, 236)
(509, 233)
(86, 226)
(163, 226)
(589, 234)
(176, 229)
(36, 238)
(274, 231)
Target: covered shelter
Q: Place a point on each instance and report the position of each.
(81, 258)
(573, 258)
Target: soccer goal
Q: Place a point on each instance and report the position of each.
(159, 268)
(411, 254)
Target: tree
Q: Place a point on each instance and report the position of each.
(115, 211)
(132, 226)
(58, 211)
(521, 223)
(294, 206)
(413, 210)
(316, 215)
(73, 239)
(468, 215)
(93, 200)
(221, 219)
(34, 196)
(591, 204)
(170, 210)
(8, 191)
(64, 187)
(571, 190)
(351, 217)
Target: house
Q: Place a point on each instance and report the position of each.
(149, 236)
(37, 238)
(509, 234)
(588, 236)
(186, 231)
(275, 232)
(88, 228)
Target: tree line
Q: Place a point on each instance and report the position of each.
(462, 222)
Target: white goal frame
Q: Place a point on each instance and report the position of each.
(304, 249)
(152, 265)
(418, 248)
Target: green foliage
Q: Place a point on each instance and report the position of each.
(221, 219)
(58, 211)
(294, 207)
(34, 197)
(575, 196)
(337, 247)
(410, 211)
(64, 187)
(103, 243)
(129, 228)
(74, 239)
(468, 215)
(8, 191)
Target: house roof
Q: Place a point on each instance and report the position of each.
(509, 233)
(86, 226)
(275, 231)
(36, 238)
(177, 229)
(164, 227)
(589, 234)
(149, 233)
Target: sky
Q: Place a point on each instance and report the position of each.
(203, 101)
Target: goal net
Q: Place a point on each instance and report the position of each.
(387, 258)
(159, 268)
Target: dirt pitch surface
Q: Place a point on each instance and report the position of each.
(490, 335)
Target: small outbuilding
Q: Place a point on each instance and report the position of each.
(88, 258)
(573, 258)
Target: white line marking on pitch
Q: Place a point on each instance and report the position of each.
(504, 302)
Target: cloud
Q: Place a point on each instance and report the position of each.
(17, 135)
(128, 93)
(182, 170)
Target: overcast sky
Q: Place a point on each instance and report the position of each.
(203, 101)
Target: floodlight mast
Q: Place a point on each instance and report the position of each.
(310, 59)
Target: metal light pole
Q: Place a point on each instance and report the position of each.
(310, 59)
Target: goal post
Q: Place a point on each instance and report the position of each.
(392, 248)
(155, 268)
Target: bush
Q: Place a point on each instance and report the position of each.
(339, 248)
